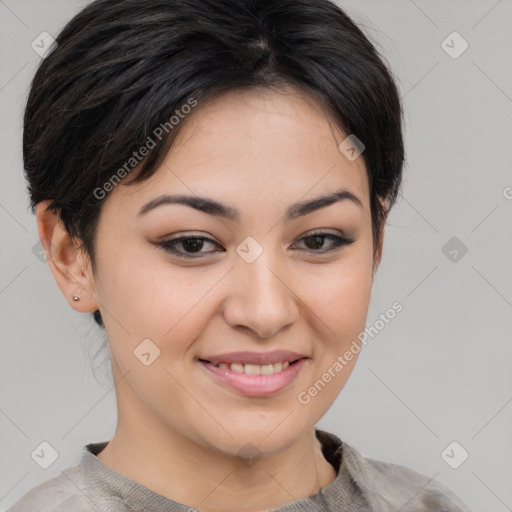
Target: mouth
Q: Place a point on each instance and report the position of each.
(254, 369)
(254, 374)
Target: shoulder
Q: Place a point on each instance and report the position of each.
(390, 487)
(60, 494)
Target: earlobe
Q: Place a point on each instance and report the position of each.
(68, 263)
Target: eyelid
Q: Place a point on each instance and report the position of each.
(168, 243)
(340, 240)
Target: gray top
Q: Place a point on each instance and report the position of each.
(361, 485)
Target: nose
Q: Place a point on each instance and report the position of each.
(261, 300)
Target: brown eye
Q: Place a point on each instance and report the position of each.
(187, 246)
(316, 242)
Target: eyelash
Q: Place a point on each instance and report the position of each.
(339, 242)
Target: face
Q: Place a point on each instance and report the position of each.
(258, 278)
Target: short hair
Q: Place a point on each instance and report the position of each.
(121, 68)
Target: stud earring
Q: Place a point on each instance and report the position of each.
(76, 298)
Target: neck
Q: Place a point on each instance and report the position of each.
(175, 466)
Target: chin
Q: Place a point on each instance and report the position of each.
(252, 438)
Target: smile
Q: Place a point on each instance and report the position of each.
(250, 378)
(255, 369)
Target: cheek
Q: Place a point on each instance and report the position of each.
(341, 304)
(340, 298)
(146, 297)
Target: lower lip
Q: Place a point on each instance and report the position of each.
(256, 385)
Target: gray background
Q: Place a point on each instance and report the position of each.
(439, 372)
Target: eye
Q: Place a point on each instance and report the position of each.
(190, 246)
(315, 242)
(187, 246)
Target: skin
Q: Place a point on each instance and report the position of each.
(179, 430)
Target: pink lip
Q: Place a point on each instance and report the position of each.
(260, 358)
(256, 385)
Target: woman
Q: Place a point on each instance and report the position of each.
(211, 181)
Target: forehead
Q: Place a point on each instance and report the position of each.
(281, 144)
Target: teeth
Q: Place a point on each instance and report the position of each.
(255, 369)
(269, 369)
(238, 368)
(252, 369)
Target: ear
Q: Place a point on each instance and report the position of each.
(69, 264)
(380, 243)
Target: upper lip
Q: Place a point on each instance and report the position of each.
(259, 358)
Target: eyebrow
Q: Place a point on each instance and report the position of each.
(213, 207)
